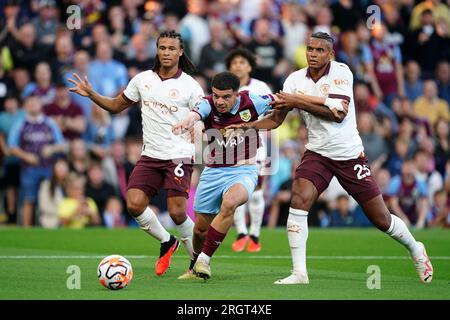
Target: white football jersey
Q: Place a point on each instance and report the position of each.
(163, 104)
(260, 88)
(257, 87)
(337, 141)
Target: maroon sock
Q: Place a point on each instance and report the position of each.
(213, 240)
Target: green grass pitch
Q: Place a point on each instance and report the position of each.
(34, 264)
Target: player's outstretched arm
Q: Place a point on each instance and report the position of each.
(271, 121)
(84, 88)
(187, 123)
(324, 108)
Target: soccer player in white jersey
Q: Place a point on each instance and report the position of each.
(334, 149)
(166, 94)
(242, 62)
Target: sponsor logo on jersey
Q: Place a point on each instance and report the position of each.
(341, 82)
(245, 115)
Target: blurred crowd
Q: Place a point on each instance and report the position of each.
(398, 50)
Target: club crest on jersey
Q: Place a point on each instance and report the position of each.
(245, 115)
(324, 89)
(174, 93)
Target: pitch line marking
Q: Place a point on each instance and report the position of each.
(50, 257)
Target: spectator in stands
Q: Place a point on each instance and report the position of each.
(117, 168)
(342, 216)
(110, 77)
(429, 106)
(35, 140)
(97, 188)
(67, 114)
(46, 22)
(346, 14)
(442, 142)
(141, 59)
(375, 147)
(25, 50)
(383, 62)
(443, 80)
(397, 156)
(62, 63)
(51, 193)
(439, 215)
(294, 24)
(270, 61)
(11, 165)
(6, 85)
(408, 196)
(113, 214)
(413, 83)
(426, 173)
(79, 158)
(194, 28)
(439, 11)
(76, 210)
(43, 87)
(120, 31)
(212, 56)
(81, 67)
(427, 45)
(350, 53)
(99, 134)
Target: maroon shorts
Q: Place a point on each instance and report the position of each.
(354, 175)
(150, 175)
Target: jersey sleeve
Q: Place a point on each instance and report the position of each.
(131, 92)
(261, 103)
(203, 108)
(289, 85)
(14, 135)
(341, 84)
(423, 189)
(196, 95)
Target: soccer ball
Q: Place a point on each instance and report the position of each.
(114, 272)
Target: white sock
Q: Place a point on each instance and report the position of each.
(399, 231)
(204, 257)
(256, 207)
(239, 220)
(186, 230)
(297, 228)
(150, 224)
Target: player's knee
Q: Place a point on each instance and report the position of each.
(228, 206)
(135, 206)
(200, 232)
(302, 200)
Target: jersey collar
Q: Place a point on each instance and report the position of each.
(327, 70)
(175, 76)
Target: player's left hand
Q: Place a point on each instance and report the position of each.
(284, 100)
(340, 115)
(180, 127)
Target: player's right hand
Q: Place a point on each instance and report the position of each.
(340, 115)
(82, 87)
(242, 126)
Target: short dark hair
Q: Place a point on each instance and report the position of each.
(225, 81)
(241, 52)
(324, 36)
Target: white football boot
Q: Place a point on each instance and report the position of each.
(294, 278)
(423, 265)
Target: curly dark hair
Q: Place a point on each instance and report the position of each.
(241, 52)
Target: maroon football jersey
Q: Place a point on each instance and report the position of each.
(227, 152)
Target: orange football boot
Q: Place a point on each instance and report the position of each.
(166, 252)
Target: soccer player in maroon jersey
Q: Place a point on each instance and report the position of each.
(230, 176)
